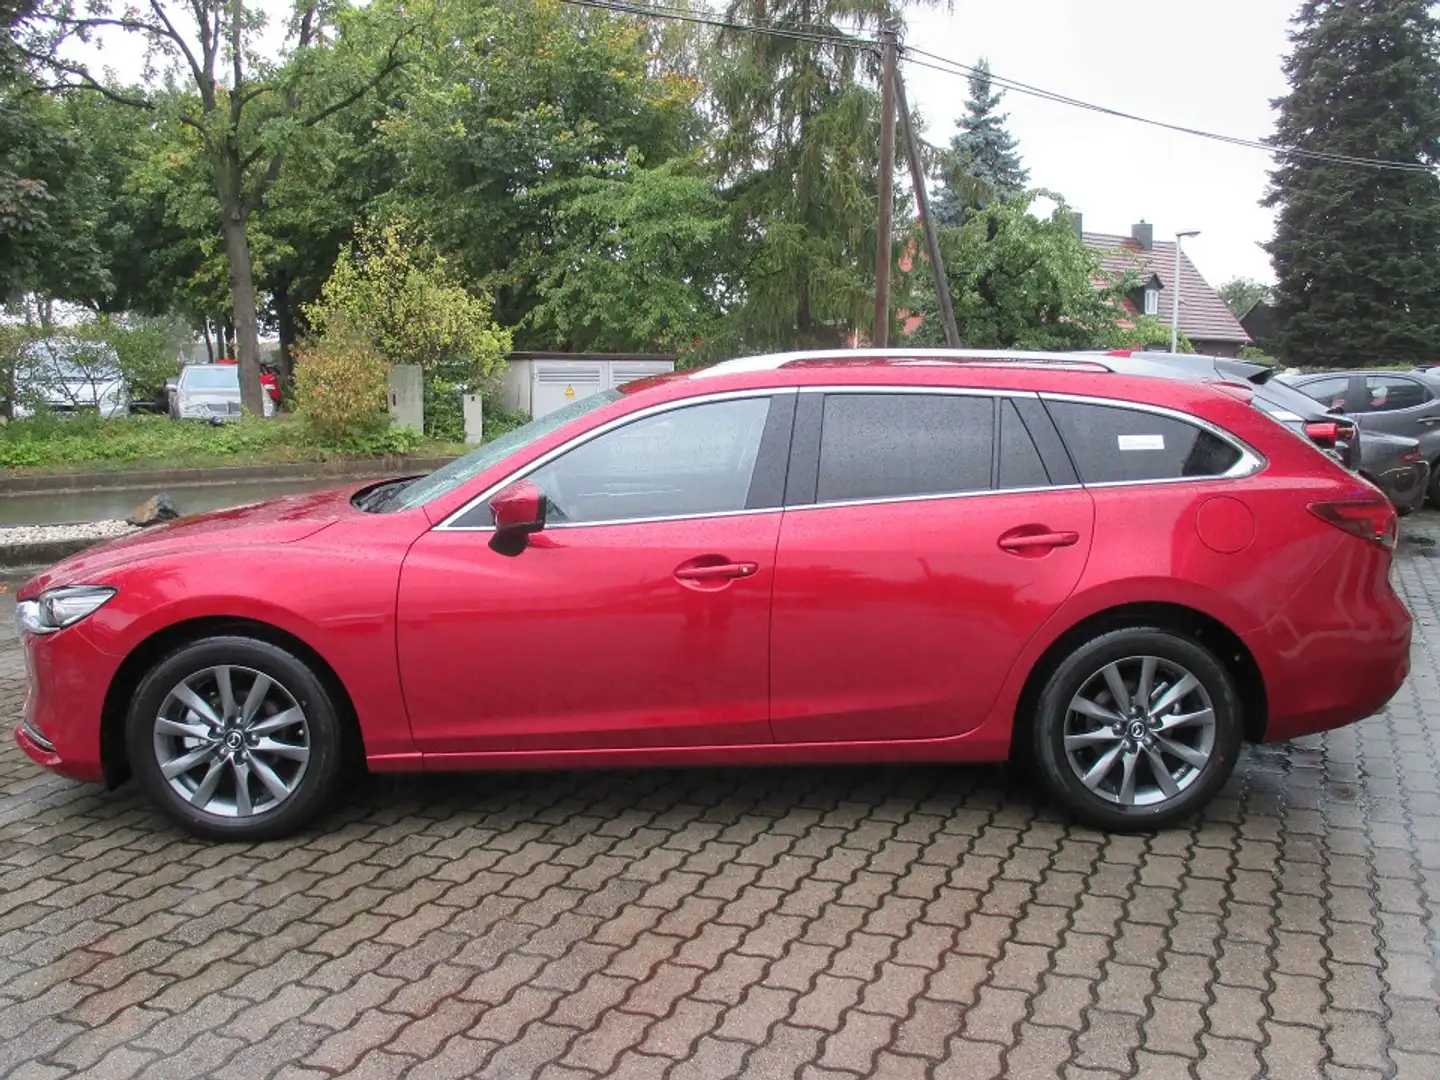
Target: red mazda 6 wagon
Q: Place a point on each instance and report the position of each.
(900, 556)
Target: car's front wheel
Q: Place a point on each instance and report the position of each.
(1137, 728)
(235, 738)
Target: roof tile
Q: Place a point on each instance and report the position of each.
(1203, 315)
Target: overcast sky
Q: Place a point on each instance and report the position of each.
(1208, 64)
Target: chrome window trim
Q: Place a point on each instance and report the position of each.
(447, 525)
(947, 391)
(936, 497)
(1250, 463)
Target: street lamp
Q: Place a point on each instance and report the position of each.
(1175, 300)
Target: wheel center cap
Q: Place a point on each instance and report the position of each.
(234, 740)
(1137, 729)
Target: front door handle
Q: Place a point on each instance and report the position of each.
(717, 572)
(1034, 541)
(1428, 421)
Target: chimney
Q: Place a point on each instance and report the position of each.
(1079, 220)
(1144, 235)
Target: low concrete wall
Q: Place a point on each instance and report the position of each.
(166, 478)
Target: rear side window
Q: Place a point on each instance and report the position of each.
(1386, 393)
(1020, 462)
(876, 446)
(1110, 444)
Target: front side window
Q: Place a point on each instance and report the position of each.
(1331, 393)
(448, 477)
(687, 461)
(1110, 444)
(875, 446)
(1387, 393)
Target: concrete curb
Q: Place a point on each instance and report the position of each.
(45, 552)
(343, 469)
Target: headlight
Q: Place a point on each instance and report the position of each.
(59, 608)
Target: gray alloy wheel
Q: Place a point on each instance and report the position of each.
(231, 741)
(1140, 731)
(238, 738)
(1137, 728)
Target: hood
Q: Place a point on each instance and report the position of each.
(277, 521)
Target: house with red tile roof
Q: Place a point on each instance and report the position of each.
(1204, 318)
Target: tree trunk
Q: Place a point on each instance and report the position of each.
(247, 325)
(285, 318)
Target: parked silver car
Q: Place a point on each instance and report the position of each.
(210, 392)
(1387, 402)
(69, 375)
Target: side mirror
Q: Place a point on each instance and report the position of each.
(519, 509)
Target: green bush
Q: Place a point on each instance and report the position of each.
(90, 442)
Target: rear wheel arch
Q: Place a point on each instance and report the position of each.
(1220, 639)
(114, 757)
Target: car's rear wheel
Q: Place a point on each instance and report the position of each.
(1137, 728)
(234, 738)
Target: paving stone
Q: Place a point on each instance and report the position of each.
(886, 921)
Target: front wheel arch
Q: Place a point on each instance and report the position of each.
(114, 757)
(1209, 631)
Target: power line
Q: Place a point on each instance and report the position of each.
(954, 67)
(657, 11)
(945, 65)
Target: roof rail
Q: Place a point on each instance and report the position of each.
(1089, 361)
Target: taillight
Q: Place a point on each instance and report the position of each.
(1369, 519)
(1411, 456)
(1327, 433)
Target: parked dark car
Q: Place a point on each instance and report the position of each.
(1397, 466)
(1392, 402)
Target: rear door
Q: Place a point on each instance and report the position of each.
(1400, 405)
(927, 536)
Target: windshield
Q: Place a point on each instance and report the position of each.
(449, 477)
(219, 377)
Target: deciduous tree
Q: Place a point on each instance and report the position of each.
(243, 107)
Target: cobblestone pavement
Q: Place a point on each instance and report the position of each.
(825, 923)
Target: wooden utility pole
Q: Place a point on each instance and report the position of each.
(927, 223)
(888, 50)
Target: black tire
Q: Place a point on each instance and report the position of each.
(1126, 648)
(1434, 489)
(318, 732)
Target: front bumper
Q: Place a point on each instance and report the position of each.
(60, 725)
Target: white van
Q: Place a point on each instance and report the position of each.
(67, 376)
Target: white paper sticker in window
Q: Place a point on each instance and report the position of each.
(1141, 442)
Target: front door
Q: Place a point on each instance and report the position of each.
(639, 616)
(930, 553)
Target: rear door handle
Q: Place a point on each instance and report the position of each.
(718, 572)
(1428, 421)
(1031, 541)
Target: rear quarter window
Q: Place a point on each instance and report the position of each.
(1113, 444)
